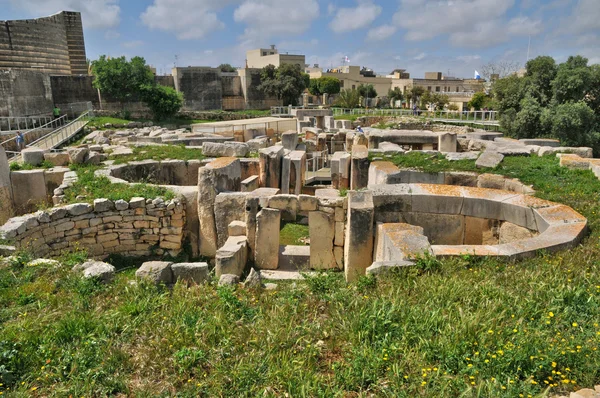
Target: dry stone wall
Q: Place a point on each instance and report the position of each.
(139, 227)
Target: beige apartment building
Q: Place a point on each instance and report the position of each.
(262, 57)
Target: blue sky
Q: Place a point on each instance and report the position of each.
(418, 35)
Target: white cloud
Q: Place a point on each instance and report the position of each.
(420, 56)
(187, 19)
(381, 32)
(468, 58)
(267, 18)
(95, 13)
(586, 16)
(523, 26)
(111, 35)
(330, 9)
(132, 44)
(347, 19)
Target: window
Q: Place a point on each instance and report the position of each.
(457, 89)
(264, 53)
(341, 84)
(437, 89)
(353, 86)
(428, 88)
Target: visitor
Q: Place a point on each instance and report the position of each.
(20, 141)
(359, 129)
(415, 110)
(56, 112)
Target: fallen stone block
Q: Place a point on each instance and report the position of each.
(33, 156)
(156, 272)
(190, 272)
(232, 257)
(382, 268)
(229, 280)
(57, 158)
(489, 159)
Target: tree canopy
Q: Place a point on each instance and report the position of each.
(348, 98)
(367, 91)
(394, 95)
(324, 85)
(226, 68)
(127, 80)
(287, 82)
(560, 101)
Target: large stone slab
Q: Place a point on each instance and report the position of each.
(489, 159)
(156, 272)
(232, 257)
(360, 167)
(7, 209)
(267, 239)
(321, 227)
(190, 272)
(229, 207)
(227, 149)
(29, 189)
(340, 170)
(33, 156)
(270, 166)
(358, 250)
(293, 172)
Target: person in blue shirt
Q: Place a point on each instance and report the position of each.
(20, 141)
(359, 129)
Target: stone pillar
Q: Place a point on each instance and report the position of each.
(293, 172)
(447, 142)
(322, 233)
(7, 209)
(267, 239)
(358, 249)
(251, 212)
(340, 170)
(29, 190)
(289, 140)
(321, 142)
(270, 166)
(221, 175)
(360, 167)
(349, 141)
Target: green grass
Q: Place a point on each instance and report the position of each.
(160, 152)
(463, 327)
(92, 187)
(431, 163)
(254, 112)
(99, 122)
(26, 166)
(293, 234)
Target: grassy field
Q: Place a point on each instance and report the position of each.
(462, 327)
(99, 122)
(160, 152)
(293, 234)
(92, 187)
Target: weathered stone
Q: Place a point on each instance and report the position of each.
(190, 272)
(358, 248)
(250, 184)
(288, 204)
(232, 257)
(385, 267)
(136, 203)
(340, 170)
(289, 140)
(293, 171)
(270, 166)
(322, 232)
(78, 209)
(360, 167)
(98, 270)
(29, 189)
(121, 205)
(462, 155)
(510, 232)
(78, 155)
(156, 271)
(267, 239)
(7, 208)
(229, 207)
(307, 203)
(489, 159)
(229, 280)
(95, 158)
(253, 280)
(227, 149)
(237, 228)
(57, 158)
(102, 205)
(33, 156)
(447, 142)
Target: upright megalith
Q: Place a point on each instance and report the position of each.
(7, 209)
(270, 166)
(360, 167)
(221, 175)
(340, 170)
(293, 172)
(267, 239)
(321, 229)
(289, 140)
(358, 249)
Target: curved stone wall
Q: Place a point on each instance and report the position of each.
(51, 44)
(139, 227)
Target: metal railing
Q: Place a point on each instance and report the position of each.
(442, 115)
(12, 124)
(231, 130)
(62, 134)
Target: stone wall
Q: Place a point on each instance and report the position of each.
(139, 227)
(53, 44)
(201, 87)
(24, 92)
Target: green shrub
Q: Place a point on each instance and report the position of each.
(164, 102)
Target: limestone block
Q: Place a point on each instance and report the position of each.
(29, 189)
(229, 207)
(329, 197)
(102, 205)
(390, 148)
(480, 231)
(340, 170)
(349, 140)
(78, 155)
(384, 228)
(57, 158)
(267, 238)
(383, 268)
(358, 248)
(98, 270)
(264, 194)
(489, 159)
(190, 272)
(270, 166)
(95, 158)
(289, 140)
(121, 205)
(33, 156)
(78, 209)
(252, 205)
(293, 172)
(54, 178)
(156, 271)
(307, 203)
(174, 172)
(584, 152)
(288, 204)
(7, 209)
(383, 172)
(510, 232)
(232, 257)
(464, 179)
(442, 229)
(360, 167)
(322, 233)
(321, 142)
(237, 228)
(136, 203)
(339, 234)
(452, 156)
(253, 280)
(250, 184)
(447, 142)
(226, 149)
(258, 143)
(360, 139)
(229, 280)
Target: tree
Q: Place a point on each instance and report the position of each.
(226, 68)
(367, 91)
(164, 102)
(415, 93)
(434, 100)
(478, 101)
(314, 87)
(286, 82)
(500, 68)
(348, 99)
(324, 85)
(394, 95)
(528, 121)
(574, 124)
(119, 78)
(573, 80)
(540, 73)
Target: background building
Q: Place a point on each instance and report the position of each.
(53, 44)
(270, 56)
